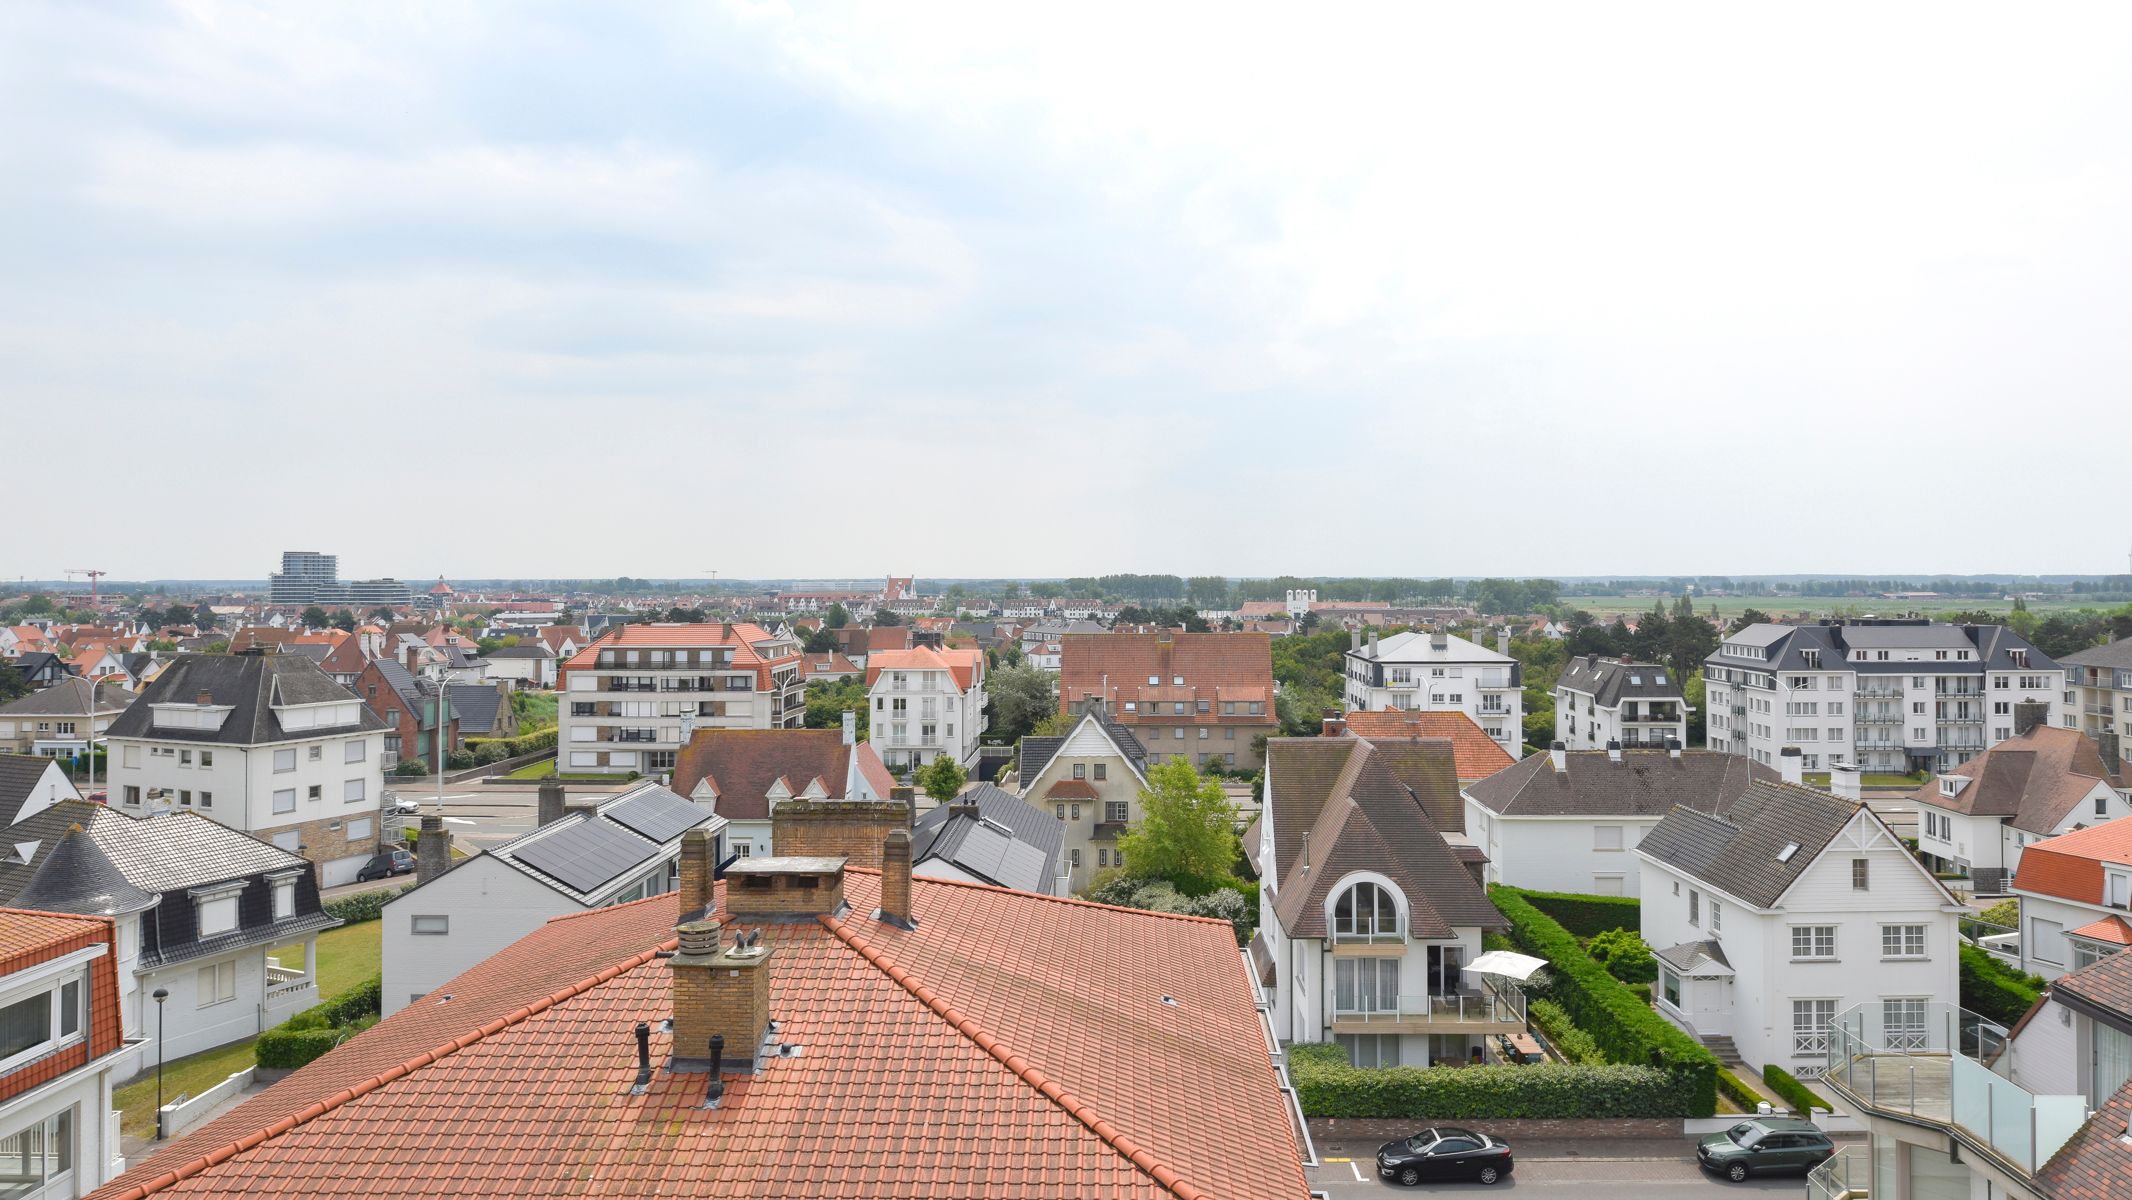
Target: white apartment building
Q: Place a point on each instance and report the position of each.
(1890, 695)
(926, 702)
(2098, 688)
(1603, 700)
(263, 743)
(1792, 907)
(1437, 672)
(633, 698)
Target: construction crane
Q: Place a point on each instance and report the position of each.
(94, 574)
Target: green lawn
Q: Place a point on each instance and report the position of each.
(1606, 608)
(534, 770)
(347, 956)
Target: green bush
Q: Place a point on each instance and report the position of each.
(2005, 912)
(1572, 1043)
(488, 753)
(1729, 1085)
(1328, 1087)
(525, 743)
(1587, 916)
(1995, 990)
(1627, 1030)
(458, 760)
(1642, 991)
(410, 767)
(1791, 1091)
(363, 906)
(1623, 954)
(285, 1048)
(1225, 903)
(365, 999)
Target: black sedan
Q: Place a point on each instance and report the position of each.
(1444, 1153)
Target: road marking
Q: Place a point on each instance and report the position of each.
(1339, 1160)
(1357, 1169)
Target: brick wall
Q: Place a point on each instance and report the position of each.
(852, 829)
(322, 843)
(785, 895)
(717, 994)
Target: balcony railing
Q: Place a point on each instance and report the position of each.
(1432, 1008)
(1949, 1068)
(1368, 937)
(282, 992)
(1866, 718)
(1844, 1175)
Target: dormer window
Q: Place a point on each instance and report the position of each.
(215, 909)
(1366, 912)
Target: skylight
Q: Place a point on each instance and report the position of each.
(1790, 848)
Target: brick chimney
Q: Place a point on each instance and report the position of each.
(433, 848)
(1335, 723)
(849, 829)
(721, 991)
(2028, 714)
(896, 881)
(549, 807)
(204, 699)
(699, 868)
(786, 886)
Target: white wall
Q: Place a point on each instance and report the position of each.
(489, 905)
(1558, 854)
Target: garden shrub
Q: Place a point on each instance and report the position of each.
(315, 1030)
(1626, 1029)
(363, 906)
(1160, 895)
(1625, 957)
(1327, 1086)
(1732, 1088)
(1587, 916)
(525, 743)
(1572, 1043)
(1791, 1091)
(284, 1048)
(410, 767)
(1995, 990)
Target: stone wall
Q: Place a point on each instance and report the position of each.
(853, 830)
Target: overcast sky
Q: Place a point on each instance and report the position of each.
(1008, 289)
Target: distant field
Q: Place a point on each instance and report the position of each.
(1608, 607)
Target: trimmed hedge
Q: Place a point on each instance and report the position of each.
(315, 1030)
(1731, 1087)
(1570, 1042)
(1626, 1029)
(283, 1048)
(525, 743)
(1587, 916)
(363, 906)
(1791, 1091)
(1994, 989)
(1328, 1087)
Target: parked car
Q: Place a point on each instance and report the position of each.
(385, 864)
(406, 806)
(1444, 1153)
(1763, 1145)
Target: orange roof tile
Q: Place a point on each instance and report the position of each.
(972, 1056)
(2109, 929)
(2070, 865)
(28, 938)
(1214, 667)
(1478, 755)
(964, 665)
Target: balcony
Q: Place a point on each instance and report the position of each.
(1866, 718)
(1657, 718)
(1948, 1070)
(1461, 1012)
(629, 685)
(632, 735)
(1878, 694)
(1846, 1175)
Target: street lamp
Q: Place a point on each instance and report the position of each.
(160, 995)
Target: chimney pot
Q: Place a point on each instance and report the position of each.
(698, 867)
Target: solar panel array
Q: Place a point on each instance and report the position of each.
(657, 814)
(585, 854)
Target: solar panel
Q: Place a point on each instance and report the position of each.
(657, 814)
(585, 854)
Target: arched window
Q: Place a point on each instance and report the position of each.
(1366, 911)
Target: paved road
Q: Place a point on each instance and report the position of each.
(1582, 1178)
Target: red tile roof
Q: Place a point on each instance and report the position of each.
(964, 665)
(2109, 929)
(742, 764)
(1478, 755)
(28, 938)
(1215, 667)
(2069, 866)
(1071, 789)
(975, 1055)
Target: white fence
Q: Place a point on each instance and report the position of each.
(187, 1111)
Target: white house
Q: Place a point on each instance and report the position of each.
(2076, 898)
(58, 1134)
(1368, 914)
(1433, 672)
(926, 702)
(1570, 821)
(528, 664)
(1090, 780)
(1599, 701)
(1788, 908)
(263, 743)
(1881, 694)
(2047, 780)
(611, 851)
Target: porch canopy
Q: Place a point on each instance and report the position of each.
(1506, 964)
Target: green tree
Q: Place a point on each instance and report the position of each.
(315, 617)
(1693, 695)
(837, 617)
(12, 685)
(1753, 616)
(381, 615)
(942, 779)
(344, 620)
(883, 617)
(37, 605)
(1017, 697)
(684, 616)
(1057, 724)
(828, 701)
(818, 641)
(1187, 828)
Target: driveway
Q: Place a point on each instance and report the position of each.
(1586, 1169)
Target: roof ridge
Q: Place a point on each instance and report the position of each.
(258, 1137)
(1044, 1085)
(1071, 901)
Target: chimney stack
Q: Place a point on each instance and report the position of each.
(549, 807)
(699, 867)
(1502, 641)
(721, 997)
(1335, 723)
(851, 728)
(433, 849)
(1843, 782)
(1791, 764)
(1559, 752)
(204, 699)
(1613, 750)
(896, 881)
(1354, 638)
(2028, 714)
(1673, 748)
(785, 886)
(2106, 745)
(907, 796)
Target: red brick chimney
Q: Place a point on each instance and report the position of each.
(896, 881)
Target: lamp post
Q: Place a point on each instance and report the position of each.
(160, 995)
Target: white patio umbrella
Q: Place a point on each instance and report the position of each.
(1506, 964)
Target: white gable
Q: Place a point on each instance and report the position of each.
(1894, 878)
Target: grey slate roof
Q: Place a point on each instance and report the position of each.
(182, 849)
(1009, 842)
(19, 774)
(2116, 656)
(37, 662)
(476, 706)
(1609, 681)
(1645, 783)
(1737, 853)
(1688, 956)
(250, 684)
(1036, 753)
(528, 649)
(69, 697)
(78, 877)
(401, 680)
(1993, 646)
